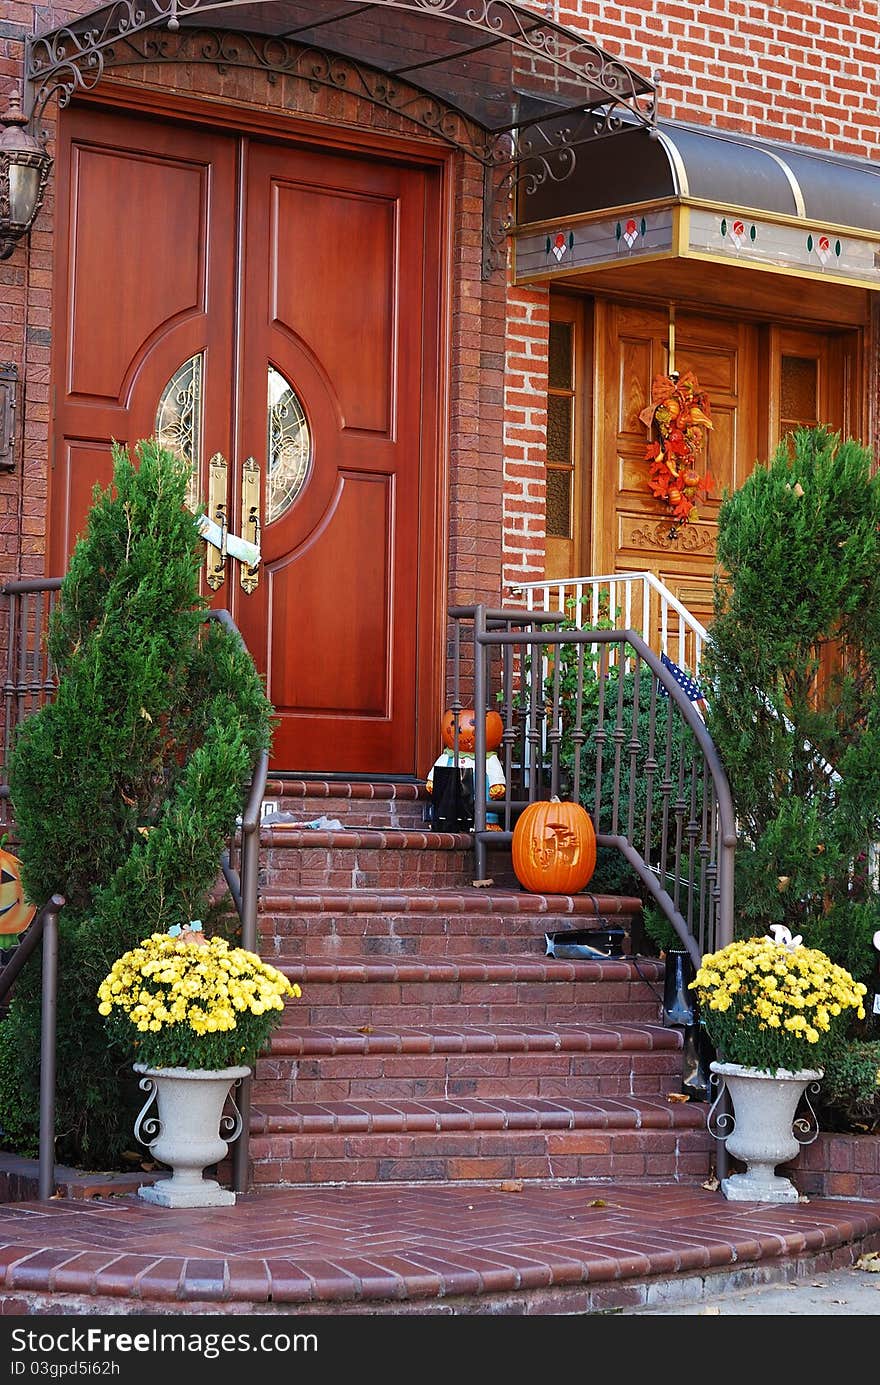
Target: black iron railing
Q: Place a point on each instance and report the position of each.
(594, 716)
(30, 683)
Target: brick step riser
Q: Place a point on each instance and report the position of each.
(427, 1015)
(593, 998)
(409, 1077)
(649, 1155)
(384, 815)
(343, 869)
(423, 1014)
(411, 934)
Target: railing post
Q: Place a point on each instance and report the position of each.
(480, 710)
(250, 878)
(47, 1049)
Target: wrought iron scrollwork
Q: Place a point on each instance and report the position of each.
(806, 1127)
(720, 1123)
(231, 1124)
(600, 93)
(147, 1129)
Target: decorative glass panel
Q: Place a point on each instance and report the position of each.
(179, 419)
(560, 371)
(559, 428)
(799, 390)
(558, 523)
(288, 447)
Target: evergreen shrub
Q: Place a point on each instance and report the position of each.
(125, 787)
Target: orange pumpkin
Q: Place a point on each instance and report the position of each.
(15, 912)
(554, 847)
(467, 730)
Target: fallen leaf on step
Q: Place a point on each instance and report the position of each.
(870, 1261)
(677, 1096)
(365, 1029)
(149, 1168)
(511, 1185)
(803, 1198)
(711, 1185)
(482, 884)
(597, 1202)
(711, 1312)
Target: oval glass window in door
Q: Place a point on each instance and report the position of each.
(179, 419)
(288, 446)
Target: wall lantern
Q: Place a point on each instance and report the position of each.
(24, 172)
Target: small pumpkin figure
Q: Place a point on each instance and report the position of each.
(15, 912)
(496, 784)
(554, 847)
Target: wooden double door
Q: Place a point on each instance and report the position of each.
(763, 380)
(271, 310)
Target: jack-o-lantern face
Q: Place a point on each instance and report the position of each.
(15, 912)
(467, 730)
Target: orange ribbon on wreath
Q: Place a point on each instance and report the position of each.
(679, 413)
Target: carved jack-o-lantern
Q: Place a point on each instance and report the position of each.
(467, 730)
(554, 847)
(15, 912)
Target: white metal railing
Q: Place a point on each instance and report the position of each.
(632, 600)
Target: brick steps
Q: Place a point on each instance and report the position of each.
(323, 1065)
(416, 923)
(435, 1040)
(356, 804)
(381, 1117)
(470, 991)
(443, 1141)
(368, 858)
(308, 1041)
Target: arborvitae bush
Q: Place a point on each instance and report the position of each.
(125, 787)
(792, 663)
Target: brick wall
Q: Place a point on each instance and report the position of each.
(792, 71)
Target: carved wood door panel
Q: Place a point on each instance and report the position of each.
(632, 529)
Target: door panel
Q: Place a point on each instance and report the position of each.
(144, 280)
(632, 529)
(316, 350)
(168, 248)
(341, 316)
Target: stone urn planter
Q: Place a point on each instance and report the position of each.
(188, 1132)
(762, 1132)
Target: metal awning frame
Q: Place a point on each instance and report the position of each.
(72, 59)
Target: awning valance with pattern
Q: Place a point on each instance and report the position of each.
(703, 194)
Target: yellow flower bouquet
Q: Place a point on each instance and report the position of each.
(772, 1005)
(189, 1002)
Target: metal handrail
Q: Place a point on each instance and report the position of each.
(33, 680)
(705, 834)
(579, 598)
(44, 927)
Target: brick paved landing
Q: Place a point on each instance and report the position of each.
(478, 1249)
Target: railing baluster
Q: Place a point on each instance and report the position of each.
(685, 856)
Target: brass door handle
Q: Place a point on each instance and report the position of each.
(215, 558)
(250, 519)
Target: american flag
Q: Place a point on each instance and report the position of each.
(685, 682)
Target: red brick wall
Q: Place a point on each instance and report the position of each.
(793, 71)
